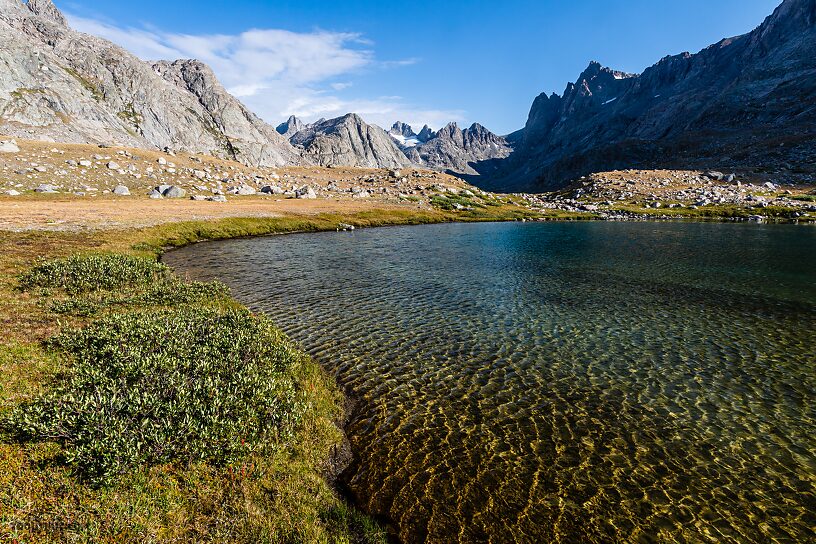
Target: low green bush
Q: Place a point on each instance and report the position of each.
(449, 202)
(170, 292)
(88, 273)
(171, 386)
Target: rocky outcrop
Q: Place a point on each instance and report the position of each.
(402, 129)
(748, 100)
(459, 151)
(290, 127)
(245, 136)
(61, 85)
(425, 134)
(349, 141)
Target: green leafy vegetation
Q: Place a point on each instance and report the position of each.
(87, 273)
(181, 385)
(450, 202)
(168, 292)
(804, 198)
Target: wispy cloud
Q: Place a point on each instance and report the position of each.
(279, 72)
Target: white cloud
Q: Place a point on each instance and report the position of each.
(278, 72)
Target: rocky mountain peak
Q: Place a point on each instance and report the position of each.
(290, 127)
(349, 141)
(402, 129)
(732, 102)
(47, 10)
(425, 134)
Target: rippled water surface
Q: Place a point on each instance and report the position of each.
(559, 382)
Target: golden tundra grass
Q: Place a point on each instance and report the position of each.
(276, 497)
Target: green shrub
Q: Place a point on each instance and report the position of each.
(87, 273)
(170, 292)
(448, 202)
(173, 386)
(78, 307)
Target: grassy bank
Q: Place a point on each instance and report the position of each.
(94, 449)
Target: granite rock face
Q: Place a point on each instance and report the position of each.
(60, 85)
(459, 151)
(748, 100)
(402, 129)
(290, 127)
(348, 141)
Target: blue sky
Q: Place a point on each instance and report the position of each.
(419, 62)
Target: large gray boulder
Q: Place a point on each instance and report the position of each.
(174, 192)
(9, 146)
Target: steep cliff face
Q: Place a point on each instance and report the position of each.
(246, 136)
(731, 103)
(349, 141)
(57, 84)
(459, 151)
(290, 127)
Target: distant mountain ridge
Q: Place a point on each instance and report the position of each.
(745, 100)
(456, 150)
(348, 141)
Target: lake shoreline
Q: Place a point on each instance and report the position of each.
(29, 322)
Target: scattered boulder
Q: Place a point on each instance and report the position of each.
(242, 190)
(121, 190)
(174, 192)
(217, 198)
(12, 192)
(272, 190)
(155, 194)
(9, 146)
(714, 175)
(305, 192)
(46, 188)
(85, 163)
(112, 165)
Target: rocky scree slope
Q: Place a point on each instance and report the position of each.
(748, 100)
(60, 85)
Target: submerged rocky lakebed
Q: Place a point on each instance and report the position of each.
(559, 382)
